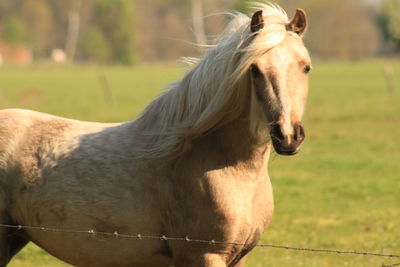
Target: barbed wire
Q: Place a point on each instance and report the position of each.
(210, 242)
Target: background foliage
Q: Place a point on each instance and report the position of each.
(125, 30)
(390, 22)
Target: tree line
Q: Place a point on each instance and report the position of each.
(124, 31)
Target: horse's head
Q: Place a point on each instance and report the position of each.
(280, 82)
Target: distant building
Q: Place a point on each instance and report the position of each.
(14, 54)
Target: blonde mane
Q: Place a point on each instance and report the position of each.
(214, 91)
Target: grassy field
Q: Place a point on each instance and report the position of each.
(341, 192)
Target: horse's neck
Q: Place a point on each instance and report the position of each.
(239, 145)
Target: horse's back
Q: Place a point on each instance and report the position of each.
(24, 135)
(13, 124)
(16, 128)
(19, 127)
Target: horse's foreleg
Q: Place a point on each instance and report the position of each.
(10, 244)
(4, 246)
(16, 243)
(241, 263)
(3, 234)
(11, 240)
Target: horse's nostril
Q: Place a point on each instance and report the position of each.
(299, 134)
(296, 135)
(276, 132)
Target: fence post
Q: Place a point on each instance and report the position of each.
(388, 73)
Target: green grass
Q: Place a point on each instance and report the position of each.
(341, 192)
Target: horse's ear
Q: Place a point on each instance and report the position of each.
(299, 22)
(257, 21)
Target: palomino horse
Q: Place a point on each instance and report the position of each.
(193, 164)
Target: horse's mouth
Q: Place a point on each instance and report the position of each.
(289, 144)
(287, 153)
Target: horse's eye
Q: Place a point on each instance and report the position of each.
(307, 69)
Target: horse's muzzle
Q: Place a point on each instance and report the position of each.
(288, 144)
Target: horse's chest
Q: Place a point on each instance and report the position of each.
(246, 209)
(223, 208)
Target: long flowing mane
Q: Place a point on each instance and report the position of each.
(213, 92)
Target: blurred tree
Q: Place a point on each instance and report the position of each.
(4, 8)
(38, 15)
(59, 10)
(161, 25)
(198, 22)
(15, 31)
(242, 6)
(165, 28)
(390, 22)
(67, 24)
(74, 24)
(115, 19)
(94, 46)
(340, 29)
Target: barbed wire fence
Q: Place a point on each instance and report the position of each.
(203, 241)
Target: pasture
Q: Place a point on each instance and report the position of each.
(341, 192)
